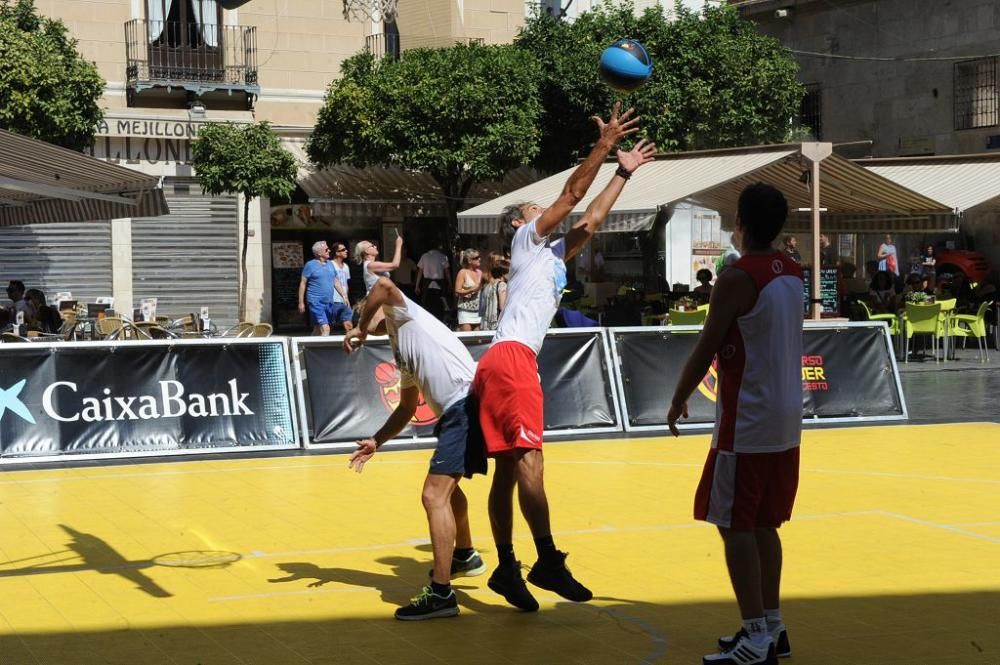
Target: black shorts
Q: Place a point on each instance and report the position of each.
(460, 449)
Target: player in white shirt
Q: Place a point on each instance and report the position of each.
(506, 383)
(434, 363)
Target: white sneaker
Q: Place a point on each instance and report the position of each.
(744, 652)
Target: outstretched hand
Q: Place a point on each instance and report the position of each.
(641, 153)
(365, 451)
(354, 338)
(619, 126)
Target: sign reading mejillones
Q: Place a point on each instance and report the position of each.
(144, 397)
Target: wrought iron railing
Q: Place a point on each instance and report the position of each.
(194, 57)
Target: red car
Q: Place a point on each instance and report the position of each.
(973, 264)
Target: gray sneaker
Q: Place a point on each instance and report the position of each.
(469, 567)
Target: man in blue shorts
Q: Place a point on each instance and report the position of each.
(318, 289)
(434, 363)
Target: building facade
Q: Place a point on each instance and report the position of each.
(914, 77)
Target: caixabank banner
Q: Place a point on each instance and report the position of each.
(58, 399)
(349, 396)
(848, 373)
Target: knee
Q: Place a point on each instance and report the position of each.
(434, 499)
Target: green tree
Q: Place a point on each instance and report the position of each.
(243, 159)
(462, 114)
(716, 82)
(47, 90)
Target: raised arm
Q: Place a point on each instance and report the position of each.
(597, 211)
(611, 133)
(733, 290)
(386, 266)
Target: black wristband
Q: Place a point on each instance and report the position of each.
(623, 172)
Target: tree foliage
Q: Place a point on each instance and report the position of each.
(243, 159)
(462, 114)
(716, 82)
(47, 90)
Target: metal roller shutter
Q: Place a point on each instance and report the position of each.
(59, 257)
(188, 259)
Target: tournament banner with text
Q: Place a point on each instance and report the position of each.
(848, 373)
(73, 398)
(349, 396)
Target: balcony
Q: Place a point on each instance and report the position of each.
(383, 45)
(196, 58)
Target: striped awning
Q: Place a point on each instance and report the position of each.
(964, 182)
(41, 183)
(345, 191)
(715, 178)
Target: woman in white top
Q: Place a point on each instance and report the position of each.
(468, 283)
(366, 252)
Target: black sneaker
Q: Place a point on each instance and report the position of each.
(744, 652)
(465, 567)
(507, 581)
(429, 605)
(779, 635)
(553, 575)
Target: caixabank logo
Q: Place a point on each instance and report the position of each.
(62, 401)
(387, 378)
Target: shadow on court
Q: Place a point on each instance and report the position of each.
(87, 552)
(959, 628)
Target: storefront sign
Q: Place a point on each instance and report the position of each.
(139, 397)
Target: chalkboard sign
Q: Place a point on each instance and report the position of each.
(828, 278)
(285, 285)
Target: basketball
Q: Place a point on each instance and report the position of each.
(625, 65)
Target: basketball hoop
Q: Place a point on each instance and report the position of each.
(383, 11)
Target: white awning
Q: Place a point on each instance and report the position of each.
(963, 182)
(348, 191)
(853, 196)
(42, 183)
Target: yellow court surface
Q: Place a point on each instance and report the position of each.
(893, 557)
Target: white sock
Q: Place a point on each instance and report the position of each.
(773, 618)
(757, 630)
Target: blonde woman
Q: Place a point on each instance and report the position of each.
(468, 283)
(366, 253)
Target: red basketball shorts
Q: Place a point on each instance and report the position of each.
(510, 398)
(745, 491)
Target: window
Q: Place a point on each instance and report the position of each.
(976, 93)
(811, 111)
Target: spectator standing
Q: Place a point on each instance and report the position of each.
(433, 276)
(468, 284)
(405, 275)
(316, 289)
(494, 294)
(791, 248)
(928, 265)
(703, 292)
(341, 287)
(366, 254)
(827, 256)
(888, 259)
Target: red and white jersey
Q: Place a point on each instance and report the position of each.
(759, 404)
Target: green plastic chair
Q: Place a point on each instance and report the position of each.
(688, 317)
(921, 320)
(968, 325)
(890, 319)
(947, 310)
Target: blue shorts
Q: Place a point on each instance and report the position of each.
(460, 449)
(328, 313)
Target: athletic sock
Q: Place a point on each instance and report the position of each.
(463, 553)
(505, 554)
(773, 618)
(443, 590)
(757, 630)
(546, 547)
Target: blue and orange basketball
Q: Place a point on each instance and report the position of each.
(625, 65)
